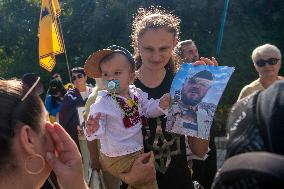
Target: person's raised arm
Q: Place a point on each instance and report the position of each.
(198, 146)
(66, 161)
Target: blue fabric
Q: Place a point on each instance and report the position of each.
(52, 110)
(68, 115)
(189, 126)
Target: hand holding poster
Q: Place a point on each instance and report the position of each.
(195, 94)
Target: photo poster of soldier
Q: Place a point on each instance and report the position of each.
(195, 94)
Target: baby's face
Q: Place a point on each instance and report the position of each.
(118, 68)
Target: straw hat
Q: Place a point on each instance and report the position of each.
(92, 63)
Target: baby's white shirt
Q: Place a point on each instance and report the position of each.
(115, 138)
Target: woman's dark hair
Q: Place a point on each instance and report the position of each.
(55, 86)
(78, 70)
(14, 113)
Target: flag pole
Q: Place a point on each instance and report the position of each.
(223, 20)
(67, 63)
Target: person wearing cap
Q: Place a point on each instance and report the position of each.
(267, 62)
(120, 111)
(53, 101)
(58, 76)
(191, 112)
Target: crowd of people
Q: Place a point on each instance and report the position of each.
(117, 129)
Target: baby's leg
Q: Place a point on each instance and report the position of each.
(123, 164)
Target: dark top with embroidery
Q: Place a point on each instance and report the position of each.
(68, 115)
(169, 148)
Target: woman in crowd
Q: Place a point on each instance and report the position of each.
(154, 36)
(28, 142)
(155, 33)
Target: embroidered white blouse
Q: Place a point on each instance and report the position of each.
(115, 138)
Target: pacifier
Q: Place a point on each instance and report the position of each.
(112, 85)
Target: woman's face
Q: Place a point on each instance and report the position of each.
(79, 79)
(155, 48)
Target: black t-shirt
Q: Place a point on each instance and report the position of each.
(170, 153)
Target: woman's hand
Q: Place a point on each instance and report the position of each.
(142, 171)
(206, 61)
(66, 161)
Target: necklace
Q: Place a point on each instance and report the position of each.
(129, 109)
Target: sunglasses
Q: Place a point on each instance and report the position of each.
(78, 76)
(270, 61)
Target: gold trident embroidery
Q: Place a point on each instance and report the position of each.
(162, 147)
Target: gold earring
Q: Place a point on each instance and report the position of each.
(34, 156)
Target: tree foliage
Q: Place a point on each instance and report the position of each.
(93, 24)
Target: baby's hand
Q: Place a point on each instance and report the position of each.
(165, 101)
(92, 124)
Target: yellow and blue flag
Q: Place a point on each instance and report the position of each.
(50, 39)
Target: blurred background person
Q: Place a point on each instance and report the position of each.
(71, 116)
(260, 170)
(187, 51)
(255, 126)
(55, 96)
(256, 122)
(267, 62)
(28, 142)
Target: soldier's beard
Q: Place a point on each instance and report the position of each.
(188, 101)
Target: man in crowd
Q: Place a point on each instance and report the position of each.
(187, 51)
(267, 62)
(203, 170)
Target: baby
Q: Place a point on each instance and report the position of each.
(120, 111)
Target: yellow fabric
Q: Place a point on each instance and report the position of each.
(91, 99)
(48, 63)
(69, 86)
(57, 8)
(252, 87)
(50, 39)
